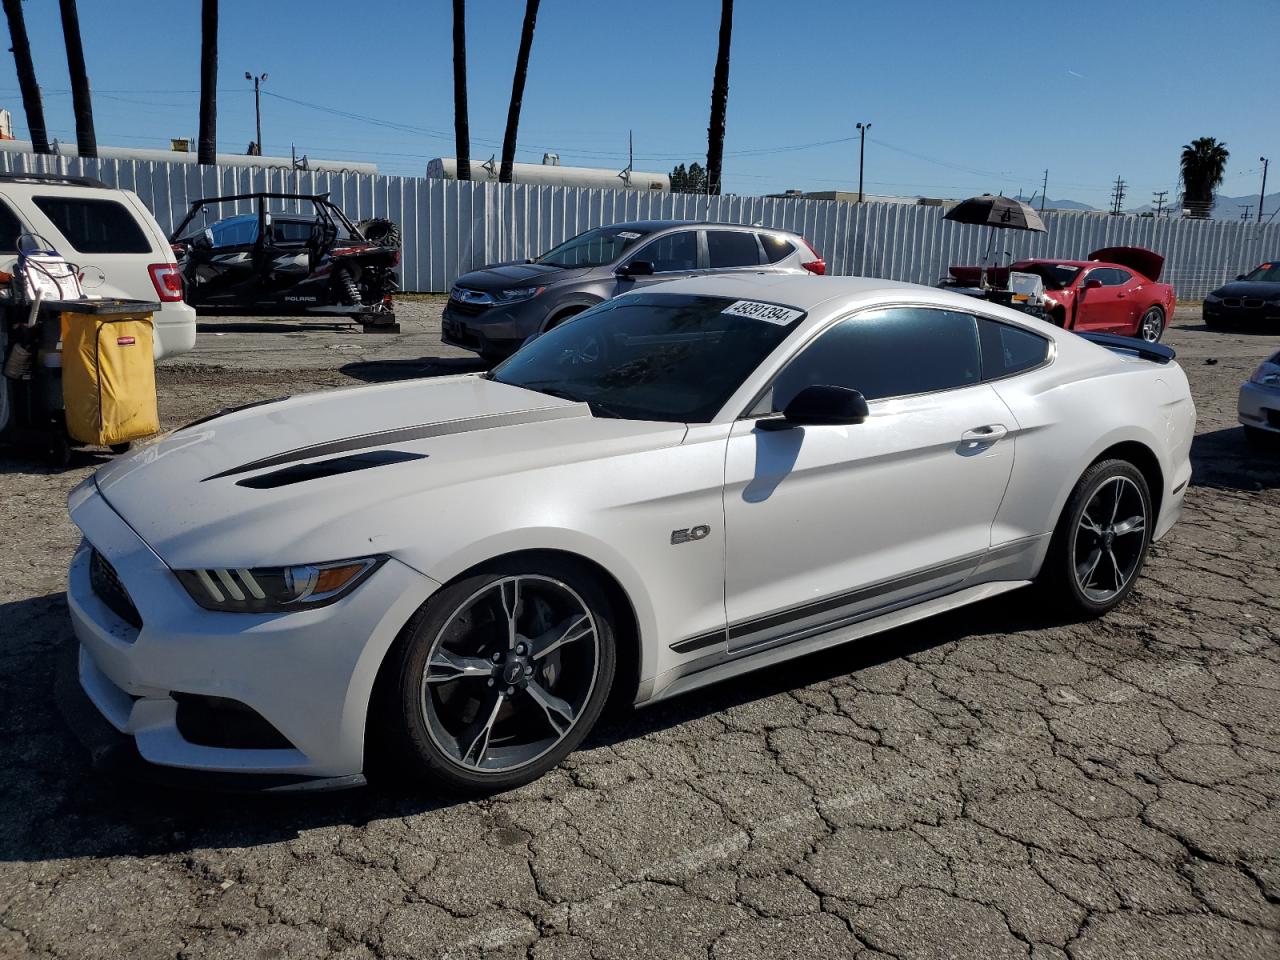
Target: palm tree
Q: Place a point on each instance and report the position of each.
(461, 133)
(82, 103)
(719, 100)
(1204, 161)
(517, 91)
(208, 144)
(27, 76)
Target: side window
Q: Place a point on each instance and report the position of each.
(775, 248)
(1007, 349)
(675, 251)
(732, 248)
(95, 226)
(234, 233)
(10, 229)
(893, 352)
(290, 231)
(1118, 278)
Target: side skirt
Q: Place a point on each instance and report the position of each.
(691, 676)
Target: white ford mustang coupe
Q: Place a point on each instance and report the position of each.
(679, 485)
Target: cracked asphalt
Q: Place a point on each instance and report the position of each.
(988, 784)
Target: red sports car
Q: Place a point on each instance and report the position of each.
(1115, 291)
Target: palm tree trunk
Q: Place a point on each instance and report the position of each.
(461, 130)
(27, 76)
(208, 146)
(517, 91)
(82, 103)
(719, 100)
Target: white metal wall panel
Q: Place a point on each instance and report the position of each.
(450, 227)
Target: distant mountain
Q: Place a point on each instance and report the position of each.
(1230, 208)
(1052, 204)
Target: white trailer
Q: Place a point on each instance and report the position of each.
(550, 172)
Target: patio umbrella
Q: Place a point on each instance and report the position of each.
(993, 211)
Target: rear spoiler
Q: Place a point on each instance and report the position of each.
(1155, 352)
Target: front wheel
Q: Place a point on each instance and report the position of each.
(1151, 327)
(1101, 540)
(503, 673)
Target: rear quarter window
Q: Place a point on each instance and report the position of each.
(1007, 349)
(95, 226)
(775, 248)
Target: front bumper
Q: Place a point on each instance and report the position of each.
(309, 674)
(1259, 406)
(1240, 316)
(499, 330)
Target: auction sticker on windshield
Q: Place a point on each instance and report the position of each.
(769, 312)
(629, 235)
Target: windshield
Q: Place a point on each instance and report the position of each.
(1056, 276)
(653, 356)
(1267, 273)
(594, 248)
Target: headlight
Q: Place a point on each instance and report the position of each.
(518, 293)
(276, 589)
(1267, 374)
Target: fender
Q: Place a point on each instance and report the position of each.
(576, 303)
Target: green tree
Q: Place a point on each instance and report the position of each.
(1204, 162)
(690, 180)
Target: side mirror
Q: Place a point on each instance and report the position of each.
(821, 405)
(636, 268)
(1092, 284)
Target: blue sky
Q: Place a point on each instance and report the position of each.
(962, 97)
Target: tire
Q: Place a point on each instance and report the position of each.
(1067, 578)
(561, 318)
(470, 725)
(1151, 326)
(385, 233)
(346, 288)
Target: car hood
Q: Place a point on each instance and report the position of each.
(1146, 262)
(348, 472)
(504, 276)
(1248, 288)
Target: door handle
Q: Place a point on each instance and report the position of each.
(988, 434)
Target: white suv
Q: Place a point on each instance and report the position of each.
(109, 235)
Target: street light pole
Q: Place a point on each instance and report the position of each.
(862, 151)
(257, 106)
(1262, 194)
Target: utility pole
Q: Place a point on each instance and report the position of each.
(1043, 187)
(257, 107)
(862, 151)
(1246, 209)
(1117, 197)
(1262, 194)
(1158, 196)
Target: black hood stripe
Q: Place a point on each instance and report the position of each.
(420, 431)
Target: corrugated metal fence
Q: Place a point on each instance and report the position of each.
(451, 227)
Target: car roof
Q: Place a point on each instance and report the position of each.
(804, 292)
(651, 226)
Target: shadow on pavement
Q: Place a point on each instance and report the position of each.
(56, 806)
(1226, 460)
(277, 326)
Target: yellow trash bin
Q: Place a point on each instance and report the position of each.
(109, 377)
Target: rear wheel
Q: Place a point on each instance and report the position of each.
(503, 673)
(1151, 327)
(1101, 540)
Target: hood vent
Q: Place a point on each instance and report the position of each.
(302, 472)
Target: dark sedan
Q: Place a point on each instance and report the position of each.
(1251, 299)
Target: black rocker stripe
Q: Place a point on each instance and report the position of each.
(690, 644)
(783, 617)
(420, 431)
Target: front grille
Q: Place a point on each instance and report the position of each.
(106, 584)
(1252, 303)
(468, 309)
(220, 722)
(1231, 301)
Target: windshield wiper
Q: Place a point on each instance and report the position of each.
(598, 408)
